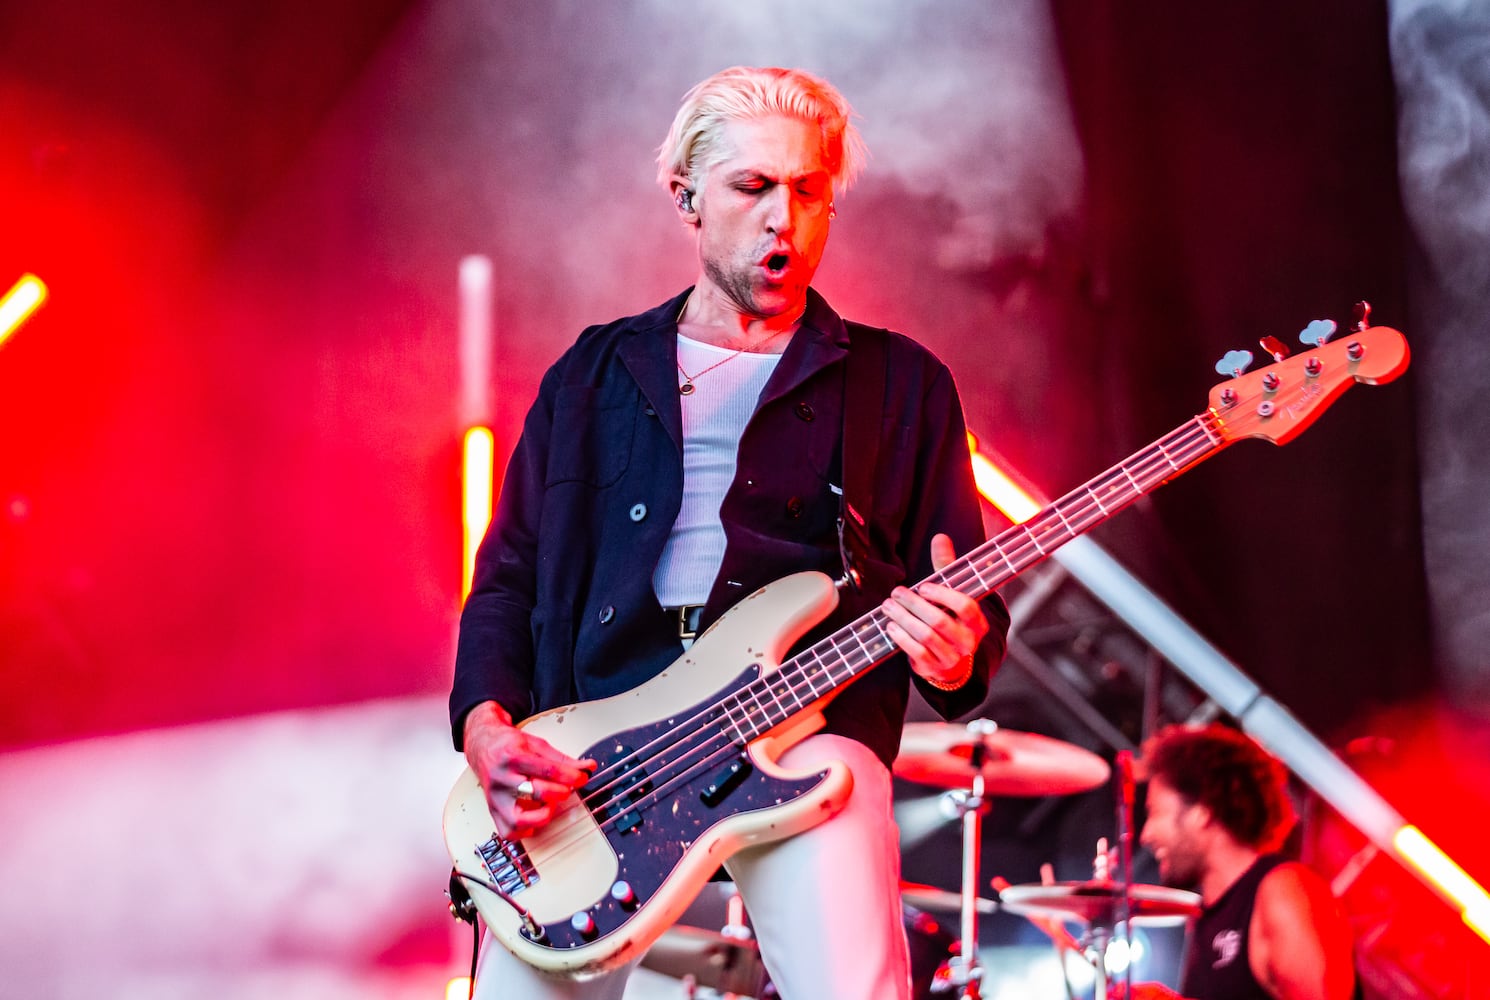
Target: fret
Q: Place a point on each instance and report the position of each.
(761, 709)
(743, 719)
(806, 672)
(1098, 498)
(978, 575)
(778, 710)
(1013, 569)
(1062, 515)
(883, 644)
(853, 632)
(732, 727)
(1033, 540)
(1165, 452)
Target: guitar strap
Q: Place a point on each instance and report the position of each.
(863, 414)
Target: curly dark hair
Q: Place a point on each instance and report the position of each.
(1240, 783)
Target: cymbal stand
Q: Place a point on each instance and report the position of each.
(1125, 859)
(1099, 933)
(964, 970)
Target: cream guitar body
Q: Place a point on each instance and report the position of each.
(683, 783)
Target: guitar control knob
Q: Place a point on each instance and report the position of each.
(584, 924)
(621, 893)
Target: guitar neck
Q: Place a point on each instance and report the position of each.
(846, 654)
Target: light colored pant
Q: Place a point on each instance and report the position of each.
(825, 904)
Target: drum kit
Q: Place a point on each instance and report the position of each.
(972, 764)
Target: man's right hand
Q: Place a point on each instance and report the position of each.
(503, 758)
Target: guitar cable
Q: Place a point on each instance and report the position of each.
(463, 907)
(475, 954)
(467, 910)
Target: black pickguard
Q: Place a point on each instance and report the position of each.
(650, 833)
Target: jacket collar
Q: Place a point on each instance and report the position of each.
(651, 355)
(821, 340)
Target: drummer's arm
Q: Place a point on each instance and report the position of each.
(1300, 945)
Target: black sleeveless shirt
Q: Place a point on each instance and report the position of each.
(1219, 966)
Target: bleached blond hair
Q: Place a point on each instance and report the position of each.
(692, 145)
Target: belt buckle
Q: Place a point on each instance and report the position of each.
(685, 630)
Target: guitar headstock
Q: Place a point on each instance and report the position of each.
(1279, 401)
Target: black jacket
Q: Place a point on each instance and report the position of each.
(562, 607)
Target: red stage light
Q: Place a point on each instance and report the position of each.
(1000, 488)
(1453, 881)
(24, 298)
(477, 463)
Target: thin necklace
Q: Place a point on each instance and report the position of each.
(686, 389)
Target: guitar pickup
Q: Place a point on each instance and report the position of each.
(726, 781)
(634, 786)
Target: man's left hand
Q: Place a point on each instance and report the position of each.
(938, 628)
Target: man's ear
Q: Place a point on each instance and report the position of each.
(685, 199)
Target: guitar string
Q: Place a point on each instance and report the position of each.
(1057, 509)
(1156, 455)
(1087, 492)
(754, 690)
(758, 687)
(729, 746)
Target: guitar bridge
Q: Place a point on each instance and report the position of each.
(508, 865)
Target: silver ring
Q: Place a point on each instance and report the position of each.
(525, 789)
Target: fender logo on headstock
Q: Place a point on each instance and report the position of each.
(1299, 409)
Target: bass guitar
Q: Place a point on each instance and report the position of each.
(688, 769)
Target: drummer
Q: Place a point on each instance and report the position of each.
(1269, 928)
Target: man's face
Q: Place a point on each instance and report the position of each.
(763, 213)
(1175, 833)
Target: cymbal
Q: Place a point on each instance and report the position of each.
(1014, 763)
(935, 900)
(716, 961)
(1099, 902)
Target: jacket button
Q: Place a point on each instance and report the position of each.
(804, 410)
(606, 614)
(638, 511)
(650, 412)
(794, 507)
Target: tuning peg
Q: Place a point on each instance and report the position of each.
(1318, 333)
(1234, 363)
(1275, 347)
(1362, 313)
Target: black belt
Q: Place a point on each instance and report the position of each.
(687, 618)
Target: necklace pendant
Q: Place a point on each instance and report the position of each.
(686, 389)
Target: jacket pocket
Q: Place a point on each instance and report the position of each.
(591, 438)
